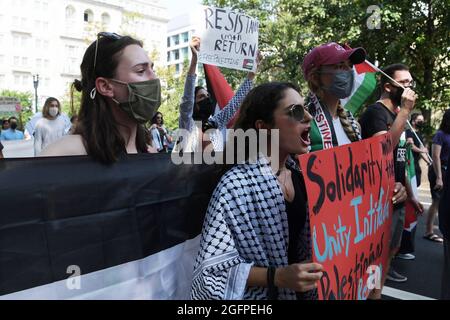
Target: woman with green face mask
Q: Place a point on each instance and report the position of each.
(120, 93)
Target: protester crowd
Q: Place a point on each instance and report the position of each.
(255, 242)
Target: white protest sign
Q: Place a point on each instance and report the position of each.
(9, 105)
(228, 39)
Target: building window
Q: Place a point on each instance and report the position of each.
(185, 37)
(168, 42)
(25, 80)
(176, 39)
(106, 19)
(70, 12)
(168, 56)
(177, 54)
(185, 53)
(177, 68)
(16, 61)
(88, 16)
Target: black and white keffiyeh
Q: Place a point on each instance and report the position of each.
(245, 225)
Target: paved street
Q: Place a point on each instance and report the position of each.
(424, 273)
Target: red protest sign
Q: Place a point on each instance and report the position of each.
(349, 196)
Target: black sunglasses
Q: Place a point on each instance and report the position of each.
(109, 35)
(296, 111)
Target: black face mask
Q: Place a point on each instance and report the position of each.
(419, 124)
(396, 96)
(13, 126)
(203, 110)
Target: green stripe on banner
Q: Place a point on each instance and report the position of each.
(364, 91)
(316, 138)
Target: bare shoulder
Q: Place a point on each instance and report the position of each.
(70, 145)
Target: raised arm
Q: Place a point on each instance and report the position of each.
(187, 101)
(222, 118)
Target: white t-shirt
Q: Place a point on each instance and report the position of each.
(46, 132)
(340, 133)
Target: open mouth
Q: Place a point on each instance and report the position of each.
(304, 137)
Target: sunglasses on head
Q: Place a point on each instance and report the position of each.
(296, 111)
(108, 35)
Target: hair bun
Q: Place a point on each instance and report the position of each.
(78, 85)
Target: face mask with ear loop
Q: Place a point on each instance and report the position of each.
(342, 84)
(144, 99)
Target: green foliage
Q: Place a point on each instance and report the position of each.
(172, 88)
(25, 98)
(416, 33)
(66, 104)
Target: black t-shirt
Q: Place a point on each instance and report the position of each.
(1, 146)
(416, 155)
(296, 213)
(378, 118)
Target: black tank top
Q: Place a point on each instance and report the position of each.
(296, 213)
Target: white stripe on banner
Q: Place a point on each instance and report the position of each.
(18, 148)
(164, 275)
(403, 295)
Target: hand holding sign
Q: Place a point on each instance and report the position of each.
(301, 277)
(259, 58)
(195, 45)
(400, 194)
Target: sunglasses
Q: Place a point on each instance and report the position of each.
(296, 111)
(108, 35)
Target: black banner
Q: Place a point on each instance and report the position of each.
(61, 211)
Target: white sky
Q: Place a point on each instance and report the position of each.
(179, 7)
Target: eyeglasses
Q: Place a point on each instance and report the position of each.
(407, 84)
(109, 35)
(296, 111)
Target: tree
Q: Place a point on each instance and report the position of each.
(71, 102)
(415, 33)
(172, 88)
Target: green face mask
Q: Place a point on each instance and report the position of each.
(144, 99)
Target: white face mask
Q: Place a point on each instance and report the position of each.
(53, 111)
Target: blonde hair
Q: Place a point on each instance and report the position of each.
(315, 88)
(46, 107)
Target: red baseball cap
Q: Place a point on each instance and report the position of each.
(331, 53)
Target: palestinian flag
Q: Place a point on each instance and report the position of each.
(218, 87)
(364, 85)
(72, 228)
(409, 231)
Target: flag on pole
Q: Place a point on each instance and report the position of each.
(218, 87)
(409, 231)
(364, 84)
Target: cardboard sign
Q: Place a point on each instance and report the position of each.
(228, 39)
(349, 196)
